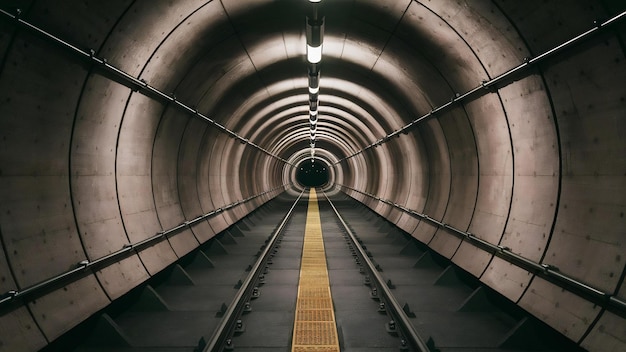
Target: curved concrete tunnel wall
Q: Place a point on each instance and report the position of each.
(89, 165)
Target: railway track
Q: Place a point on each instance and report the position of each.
(312, 273)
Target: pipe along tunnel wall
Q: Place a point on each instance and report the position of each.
(92, 162)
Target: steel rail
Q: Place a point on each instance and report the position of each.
(499, 81)
(544, 270)
(99, 263)
(136, 84)
(396, 309)
(235, 308)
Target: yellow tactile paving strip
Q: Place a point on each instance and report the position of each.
(314, 327)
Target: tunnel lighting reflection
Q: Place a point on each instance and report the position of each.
(315, 0)
(314, 54)
(314, 90)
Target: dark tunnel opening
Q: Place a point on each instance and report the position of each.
(312, 174)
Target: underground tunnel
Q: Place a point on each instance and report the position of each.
(155, 151)
(312, 175)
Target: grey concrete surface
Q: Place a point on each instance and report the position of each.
(88, 166)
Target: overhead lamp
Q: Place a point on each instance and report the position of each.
(314, 54)
(314, 39)
(315, 0)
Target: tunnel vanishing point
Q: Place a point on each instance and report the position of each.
(133, 131)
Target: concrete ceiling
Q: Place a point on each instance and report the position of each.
(90, 163)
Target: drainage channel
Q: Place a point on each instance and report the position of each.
(314, 326)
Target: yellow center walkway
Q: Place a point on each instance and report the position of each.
(314, 326)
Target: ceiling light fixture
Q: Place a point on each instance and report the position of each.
(314, 45)
(314, 54)
(314, 38)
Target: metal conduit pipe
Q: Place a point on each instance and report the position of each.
(124, 78)
(97, 264)
(546, 271)
(497, 82)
